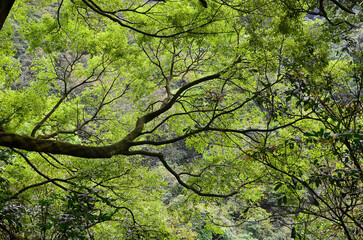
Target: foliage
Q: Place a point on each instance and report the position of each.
(173, 120)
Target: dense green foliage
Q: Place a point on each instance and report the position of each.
(140, 119)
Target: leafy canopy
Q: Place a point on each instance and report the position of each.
(161, 120)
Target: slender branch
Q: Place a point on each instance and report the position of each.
(37, 185)
(223, 130)
(181, 182)
(342, 7)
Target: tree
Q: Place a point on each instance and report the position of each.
(248, 85)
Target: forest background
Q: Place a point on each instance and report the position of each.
(181, 119)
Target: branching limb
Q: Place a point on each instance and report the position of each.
(93, 77)
(52, 180)
(184, 184)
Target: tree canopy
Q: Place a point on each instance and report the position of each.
(193, 119)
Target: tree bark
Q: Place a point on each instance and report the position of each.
(52, 146)
(5, 6)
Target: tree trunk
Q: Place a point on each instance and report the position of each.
(5, 6)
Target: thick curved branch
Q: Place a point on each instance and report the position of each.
(55, 147)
